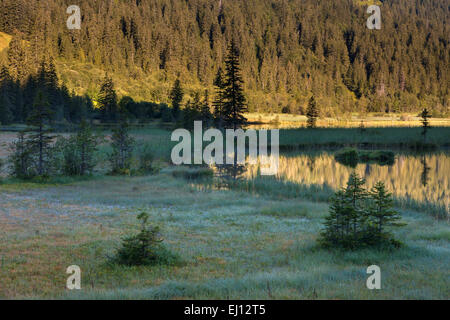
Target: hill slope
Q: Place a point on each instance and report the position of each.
(290, 49)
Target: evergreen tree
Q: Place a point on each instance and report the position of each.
(20, 158)
(234, 102)
(6, 97)
(176, 97)
(108, 100)
(6, 116)
(206, 115)
(123, 145)
(382, 215)
(359, 218)
(79, 150)
(312, 113)
(425, 115)
(282, 58)
(144, 248)
(337, 223)
(39, 140)
(188, 115)
(218, 103)
(18, 59)
(357, 196)
(48, 81)
(192, 112)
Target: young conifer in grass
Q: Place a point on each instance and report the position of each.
(382, 215)
(78, 151)
(144, 248)
(20, 158)
(359, 218)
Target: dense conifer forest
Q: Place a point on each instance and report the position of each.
(289, 51)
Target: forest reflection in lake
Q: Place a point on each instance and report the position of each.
(421, 178)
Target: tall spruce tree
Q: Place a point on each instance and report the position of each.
(47, 82)
(176, 97)
(108, 100)
(234, 101)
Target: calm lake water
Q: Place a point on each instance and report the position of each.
(422, 178)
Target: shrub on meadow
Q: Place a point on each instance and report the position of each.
(359, 218)
(144, 248)
(78, 152)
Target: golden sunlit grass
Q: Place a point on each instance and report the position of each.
(287, 121)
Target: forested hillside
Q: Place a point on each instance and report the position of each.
(289, 50)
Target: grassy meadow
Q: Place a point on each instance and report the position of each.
(255, 240)
(233, 245)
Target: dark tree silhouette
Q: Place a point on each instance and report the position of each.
(234, 102)
(176, 97)
(312, 113)
(425, 115)
(424, 176)
(39, 140)
(123, 145)
(108, 100)
(382, 214)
